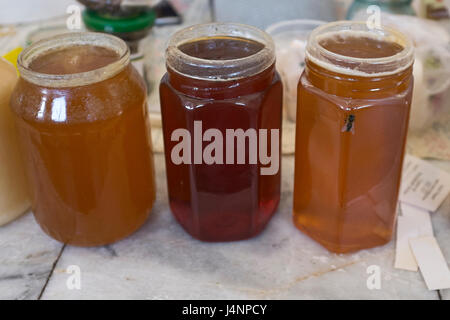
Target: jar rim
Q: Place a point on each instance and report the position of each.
(67, 40)
(360, 66)
(219, 70)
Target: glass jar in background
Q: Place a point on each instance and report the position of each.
(14, 199)
(359, 7)
(80, 111)
(290, 43)
(132, 27)
(354, 100)
(221, 78)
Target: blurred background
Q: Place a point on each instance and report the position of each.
(146, 26)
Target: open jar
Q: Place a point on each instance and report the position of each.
(354, 100)
(79, 107)
(220, 94)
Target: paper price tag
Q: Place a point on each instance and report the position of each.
(413, 223)
(423, 185)
(431, 262)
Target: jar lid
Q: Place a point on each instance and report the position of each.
(115, 24)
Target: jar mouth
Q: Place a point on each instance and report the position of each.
(365, 67)
(219, 70)
(68, 40)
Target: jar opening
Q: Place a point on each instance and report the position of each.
(381, 52)
(188, 53)
(221, 48)
(66, 42)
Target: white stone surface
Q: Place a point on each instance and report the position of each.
(26, 259)
(161, 261)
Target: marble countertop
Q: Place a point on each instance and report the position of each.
(161, 261)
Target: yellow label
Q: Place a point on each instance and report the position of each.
(12, 56)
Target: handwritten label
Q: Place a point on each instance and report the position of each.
(423, 185)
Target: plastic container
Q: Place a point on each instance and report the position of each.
(132, 28)
(14, 199)
(290, 43)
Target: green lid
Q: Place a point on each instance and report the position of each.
(112, 24)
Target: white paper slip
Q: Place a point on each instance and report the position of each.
(413, 223)
(423, 185)
(404, 258)
(422, 217)
(432, 263)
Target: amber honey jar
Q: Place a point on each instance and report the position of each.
(220, 95)
(80, 110)
(353, 107)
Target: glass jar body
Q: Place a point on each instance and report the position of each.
(221, 202)
(88, 157)
(350, 143)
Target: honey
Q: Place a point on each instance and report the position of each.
(222, 83)
(85, 137)
(353, 107)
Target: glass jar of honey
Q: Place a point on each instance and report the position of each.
(80, 109)
(221, 113)
(352, 118)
